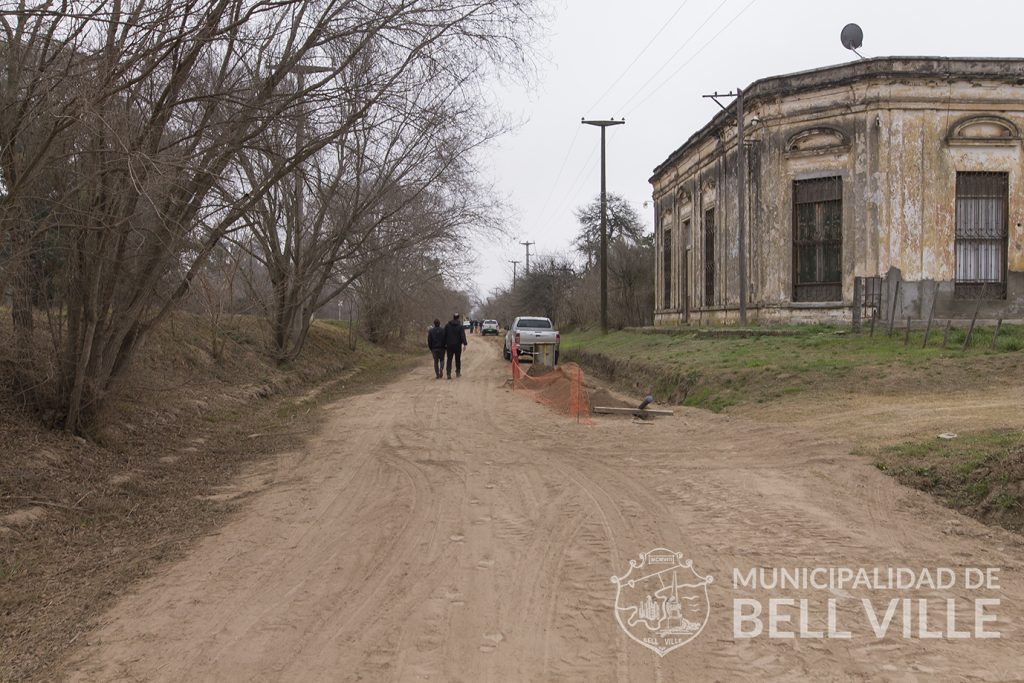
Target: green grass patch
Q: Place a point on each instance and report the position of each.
(715, 368)
(980, 474)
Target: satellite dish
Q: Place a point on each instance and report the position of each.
(852, 37)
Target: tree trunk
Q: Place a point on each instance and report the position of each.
(21, 315)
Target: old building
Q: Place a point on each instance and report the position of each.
(883, 170)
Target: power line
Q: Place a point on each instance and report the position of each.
(588, 165)
(639, 55)
(547, 200)
(572, 188)
(673, 55)
(695, 54)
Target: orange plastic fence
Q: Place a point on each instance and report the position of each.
(561, 388)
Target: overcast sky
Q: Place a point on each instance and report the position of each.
(651, 60)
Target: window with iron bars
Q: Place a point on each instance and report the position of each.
(667, 269)
(818, 239)
(709, 257)
(981, 235)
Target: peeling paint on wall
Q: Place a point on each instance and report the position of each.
(897, 132)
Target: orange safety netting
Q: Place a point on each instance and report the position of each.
(561, 388)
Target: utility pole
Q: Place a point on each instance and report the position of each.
(515, 264)
(604, 220)
(741, 196)
(300, 71)
(527, 245)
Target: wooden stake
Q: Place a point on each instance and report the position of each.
(858, 287)
(906, 333)
(970, 330)
(931, 314)
(892, 313)
(995, 334)
(945, 335)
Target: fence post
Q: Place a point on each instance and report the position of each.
(995, 334)
(945, 335)
(931, 314)
(858, 293)
(892, 312)
(906, 333)
(970, 330)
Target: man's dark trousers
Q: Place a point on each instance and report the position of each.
(438, 361)
(455, 352)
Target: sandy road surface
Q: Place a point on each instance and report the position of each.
(442, 530)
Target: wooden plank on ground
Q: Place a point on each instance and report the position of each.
(609, 410)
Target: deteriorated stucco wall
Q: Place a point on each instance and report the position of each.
(897, 144)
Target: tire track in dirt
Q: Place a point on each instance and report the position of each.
(455, 530)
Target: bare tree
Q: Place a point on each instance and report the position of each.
(546, 288)
(631, 268)
(219, 287)
(121, 122)
(623, 222)
(401, 181)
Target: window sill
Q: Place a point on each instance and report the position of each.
(816, 304)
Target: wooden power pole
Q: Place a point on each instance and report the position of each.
(741, 195)
(604, 222)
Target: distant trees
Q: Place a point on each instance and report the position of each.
(623, 221)
(139, 137)
(570, 295)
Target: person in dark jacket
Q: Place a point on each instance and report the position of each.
(454, 342)
(435, 342)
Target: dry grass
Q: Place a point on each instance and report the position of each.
(80, 521)
(980, 474)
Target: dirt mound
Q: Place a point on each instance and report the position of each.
(603, 397)
(560, 388)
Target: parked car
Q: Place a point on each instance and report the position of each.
(489, 327)
(526, 331)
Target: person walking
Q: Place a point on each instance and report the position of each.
(435, 342)
(454, 342)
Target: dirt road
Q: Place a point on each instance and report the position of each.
(450, 530)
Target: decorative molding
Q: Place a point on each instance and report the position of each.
(818, 140)
(983, 130)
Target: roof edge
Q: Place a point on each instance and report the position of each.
(1002, 68)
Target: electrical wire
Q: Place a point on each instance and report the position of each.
(542, 214)
(547, 200)
(646, 47)
(588, 166)
(695, 54)
(673, 55)
(572, 188)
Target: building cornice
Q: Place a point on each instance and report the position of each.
(773, 88)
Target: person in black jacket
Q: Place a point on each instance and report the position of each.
(435, 342)
(454, 342)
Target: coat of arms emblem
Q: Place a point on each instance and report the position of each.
(662, 602)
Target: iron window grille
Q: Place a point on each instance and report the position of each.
(667, 269)
(818, 239)
(981, 235)
(709, 257)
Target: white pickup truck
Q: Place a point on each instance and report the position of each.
(528, 330)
